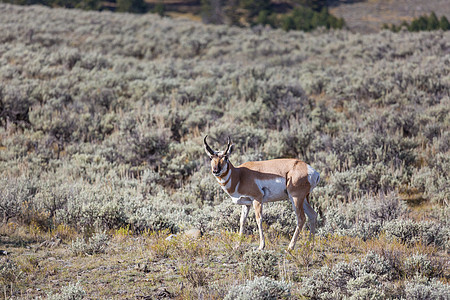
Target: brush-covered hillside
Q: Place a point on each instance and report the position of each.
(103, 172)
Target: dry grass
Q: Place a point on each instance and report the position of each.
(149, 266)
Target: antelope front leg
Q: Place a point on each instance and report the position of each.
(258, 214)
(244, 214)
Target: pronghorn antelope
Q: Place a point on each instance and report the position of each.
(258, 182)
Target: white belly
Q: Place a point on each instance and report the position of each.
(273, 189)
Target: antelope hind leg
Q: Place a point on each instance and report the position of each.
(312, 217)
(297, 203)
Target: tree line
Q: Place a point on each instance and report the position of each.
(303, 15)
(422, 23)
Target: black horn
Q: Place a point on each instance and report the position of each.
(208, 148)
(228, 146)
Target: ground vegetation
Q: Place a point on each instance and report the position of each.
(103, 171)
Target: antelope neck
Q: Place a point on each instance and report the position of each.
(225, 177)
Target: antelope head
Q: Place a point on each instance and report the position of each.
(219, 159)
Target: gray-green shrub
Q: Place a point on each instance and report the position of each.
(364, 217)
(260, 288)
(261, 263)
(423, 288)
(96, 244)
(10, 272)
(368, 277)
(424, 266)
(425, 232)
(69, 292)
